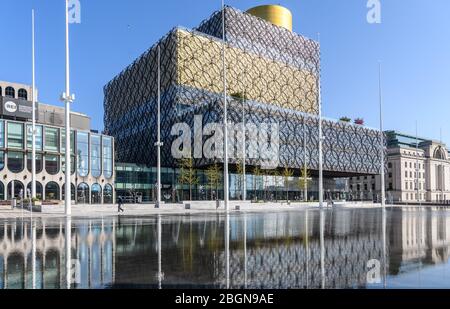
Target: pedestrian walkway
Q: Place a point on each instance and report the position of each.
(173, 209)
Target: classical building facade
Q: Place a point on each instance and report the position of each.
(92, 153)
(272, 81)
(418, 170)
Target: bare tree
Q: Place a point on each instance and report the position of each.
(188, 175)
(287, 174)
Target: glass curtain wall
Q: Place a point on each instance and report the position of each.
(96, 159)
(83, 153)
(107, 157)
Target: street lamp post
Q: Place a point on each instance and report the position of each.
(67, 98)
(244, 152)
(225, 115)
(382, 167)
(417, 166)
(320, 135)
(158, 143)
(33, 115)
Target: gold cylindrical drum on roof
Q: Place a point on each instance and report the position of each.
(275, 14)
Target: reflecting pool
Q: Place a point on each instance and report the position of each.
(335, 248)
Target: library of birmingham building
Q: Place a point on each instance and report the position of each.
(272, 81)
(92, 153)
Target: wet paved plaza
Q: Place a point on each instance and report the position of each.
(334, 248)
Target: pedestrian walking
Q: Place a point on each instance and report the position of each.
(120, 209)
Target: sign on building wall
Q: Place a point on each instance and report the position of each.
(17, 108)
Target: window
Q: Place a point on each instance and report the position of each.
(72, 191)
(2, 134)
(365, 187)
(83, 154)
(389, 164)
(108, 194)
(15, 135)
(1, 92)
(390, 174)
(2, 187)
(107, 157)
(83, 193)
(18, 187)
(2, 160)
(38, 189)
(52, 164)
(30, 137)
(10, 92)
(22, 94)
(391, 187)
(51, 139)
(406, 164)
(39, 165)
(52, 191)
(16, 161)
(439, 154)
(63, 141)
(406, 173)
(72, 164)
(373, 187)
(96, 158)
(96, 194)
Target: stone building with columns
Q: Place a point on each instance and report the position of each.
(418, 171)
(92, 153)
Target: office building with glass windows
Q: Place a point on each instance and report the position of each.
(92, 153)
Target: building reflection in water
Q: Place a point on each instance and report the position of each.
(310, 249)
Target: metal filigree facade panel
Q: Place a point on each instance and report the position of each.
(262, 79)
(271, 72)
(347, 148)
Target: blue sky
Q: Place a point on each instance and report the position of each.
(413, 43)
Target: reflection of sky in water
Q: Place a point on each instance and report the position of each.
(276, 250)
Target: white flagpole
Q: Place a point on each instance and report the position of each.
(417, 164)
(320, 135)
(68, 98)
(382, 167)
(225, 115)
(442, 172)
(158, 144)
(244, 152)
(33, 133)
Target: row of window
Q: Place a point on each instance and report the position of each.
(16, 163)
(93, 152)
(366, 187)
(413, 197)
(411, 175)
(421, 166)
(84, 193)
(413, 186)
(10, 92)
(416, 154)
